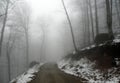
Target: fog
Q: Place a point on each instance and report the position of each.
(41, 31)
(50, 15)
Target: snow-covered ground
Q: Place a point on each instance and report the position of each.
(27, 76)
(84, 68)
(94, 45)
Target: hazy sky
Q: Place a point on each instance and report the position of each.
(58, 35)
(44, 7)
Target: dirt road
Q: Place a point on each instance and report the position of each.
(50, 73)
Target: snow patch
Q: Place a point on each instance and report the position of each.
(84, 68)
(89, 47)
(116, 40)
(27, 76)
(92, 46)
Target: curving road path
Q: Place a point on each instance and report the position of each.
(50, 73)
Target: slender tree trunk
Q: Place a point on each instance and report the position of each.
(87, 22)
(84, 26)
(27, 47)
(4, 25)
(9, 65)
(91, 17)
(43, 46)
(8, 59)
(8, 52)
(109, 17)
(85, 32)
(96, 18)
(71, 28)
(117, 10)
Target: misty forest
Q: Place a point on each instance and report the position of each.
(59, 41)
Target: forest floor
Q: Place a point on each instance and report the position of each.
(97, 64)
(93, 64)
(50, 73)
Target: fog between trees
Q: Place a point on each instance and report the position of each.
(39, 30)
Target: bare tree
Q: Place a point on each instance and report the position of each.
(70, 24)
(91, 17)
(9, 47)
(8, 57)
(117, 10)
(83, 25)
(43, 26)
(27, 45)
(4, 25)
(109, 17)
(26, 29)
(87, 21)
(43, 44)
(9, 5)
(22, 13)
(96, 18)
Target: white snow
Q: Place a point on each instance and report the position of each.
(92, 46)
(84, 68)
(116, 40)
(27, 76)
(82, 49)
(117, 60)
(89, 47)
(101, 44)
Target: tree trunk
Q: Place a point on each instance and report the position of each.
(8, 59)
(27, 47)
(8, 53)
(91, 17)
(96, 18)
(9, 65)
(109, 17)
(71, 28)
(84, 25)
(87, 22)
(43, 46)
(117, 10)
(4, 25)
